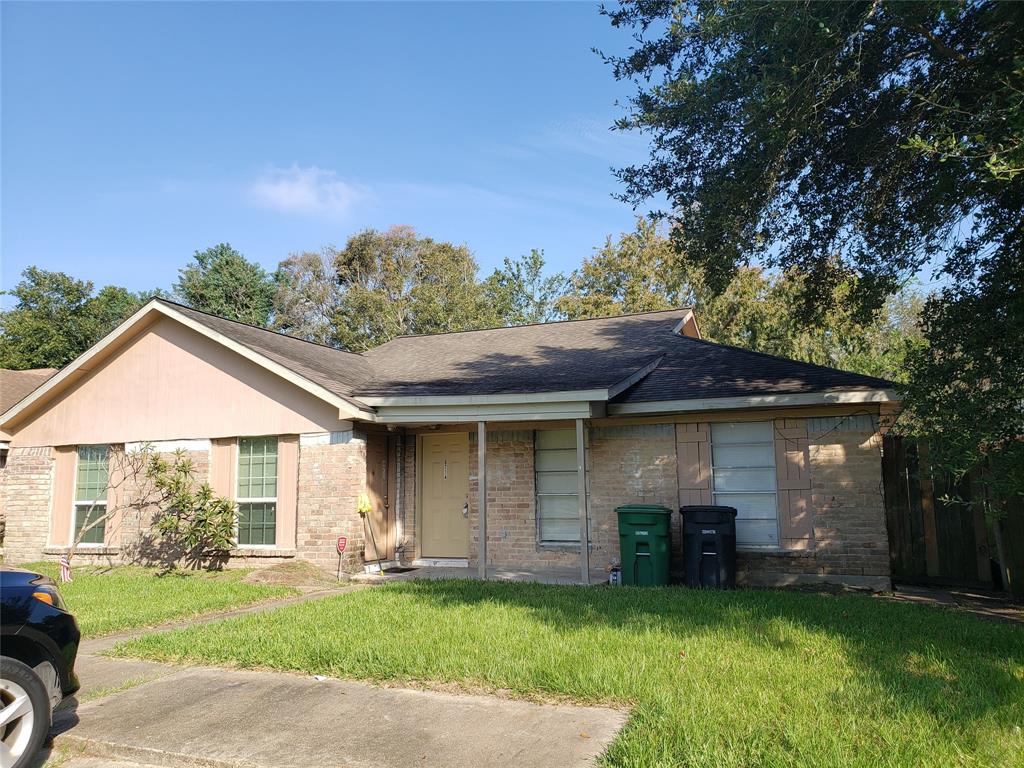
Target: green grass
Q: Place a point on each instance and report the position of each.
(106, 600)
(744, 678)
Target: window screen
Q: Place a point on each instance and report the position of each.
(257, 491)
(91, 480)
(558, 510)
(743, 468)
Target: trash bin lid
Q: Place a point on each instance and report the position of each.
(645, 509)
(708, 513)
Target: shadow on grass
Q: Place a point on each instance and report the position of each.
(953, 667)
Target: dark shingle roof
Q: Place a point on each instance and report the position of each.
(15, 385)
(335, 370)
(694, 368)
(550, 357)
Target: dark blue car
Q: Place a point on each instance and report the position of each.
(38, 644)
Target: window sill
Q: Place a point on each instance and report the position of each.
(261, 552)
(81, 549)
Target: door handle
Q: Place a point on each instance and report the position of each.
(465, 509)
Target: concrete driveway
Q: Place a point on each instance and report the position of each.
(156, 714)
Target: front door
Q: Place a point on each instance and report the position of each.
(445, 495)
(379, 525)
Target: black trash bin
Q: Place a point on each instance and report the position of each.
(709, 546)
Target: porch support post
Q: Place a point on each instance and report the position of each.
(581, 489)
(481, 471)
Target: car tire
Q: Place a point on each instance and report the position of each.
(24, 713)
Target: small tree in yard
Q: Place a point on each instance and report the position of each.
(190, 522)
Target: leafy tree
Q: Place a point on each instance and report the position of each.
(835, 137)
(857, 142)
(968, 387)
(519, 293)
(641, 271)
(56, 317)
(307, 297)
(396, 282)
(223, 282)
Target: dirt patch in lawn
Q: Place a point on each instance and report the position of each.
(297, 573)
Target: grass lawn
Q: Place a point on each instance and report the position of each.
(744, 678)
(106, 600)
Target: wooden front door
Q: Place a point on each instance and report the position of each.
(379, 525)
(444, 495)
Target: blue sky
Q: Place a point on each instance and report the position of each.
(134, 134)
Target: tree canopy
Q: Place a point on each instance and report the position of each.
(397, 282)
(56, 317)
(856, 143)
(836, 137)
(223, 282)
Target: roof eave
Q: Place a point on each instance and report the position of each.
(839, 397)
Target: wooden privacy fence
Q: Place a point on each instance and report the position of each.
(940, 542)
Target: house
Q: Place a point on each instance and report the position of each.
(531, 434)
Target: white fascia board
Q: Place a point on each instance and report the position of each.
(754, 401)
(504, 399)
(485, 412)
(345, 409)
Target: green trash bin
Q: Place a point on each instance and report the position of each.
(644, 543)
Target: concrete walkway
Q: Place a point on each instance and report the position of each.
(216, 717)
(132, 712)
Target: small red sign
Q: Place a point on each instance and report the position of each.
(342, 543)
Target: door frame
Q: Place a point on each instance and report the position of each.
(388, 538)
(458, 561)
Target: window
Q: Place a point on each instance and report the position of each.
(743, 468)
(257, 491)
(558, 510)
(91, 481)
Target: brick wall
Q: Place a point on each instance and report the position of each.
(850, 541)
(331, 476)
(624, 464)
(25, 486)
(631, 464)
(511, 505)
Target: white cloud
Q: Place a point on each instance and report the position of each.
(309, 191)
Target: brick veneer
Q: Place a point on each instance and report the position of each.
(25, 501)
(624, 464)
(330, 479)
(850, 543)
(627, 463)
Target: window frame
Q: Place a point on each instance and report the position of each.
(239, 500)
(537, 495)
(761, 547)
(94, 504)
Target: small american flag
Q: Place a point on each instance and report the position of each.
(65, 569)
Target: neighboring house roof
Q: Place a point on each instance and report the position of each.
(636, 363)
(15, 385)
